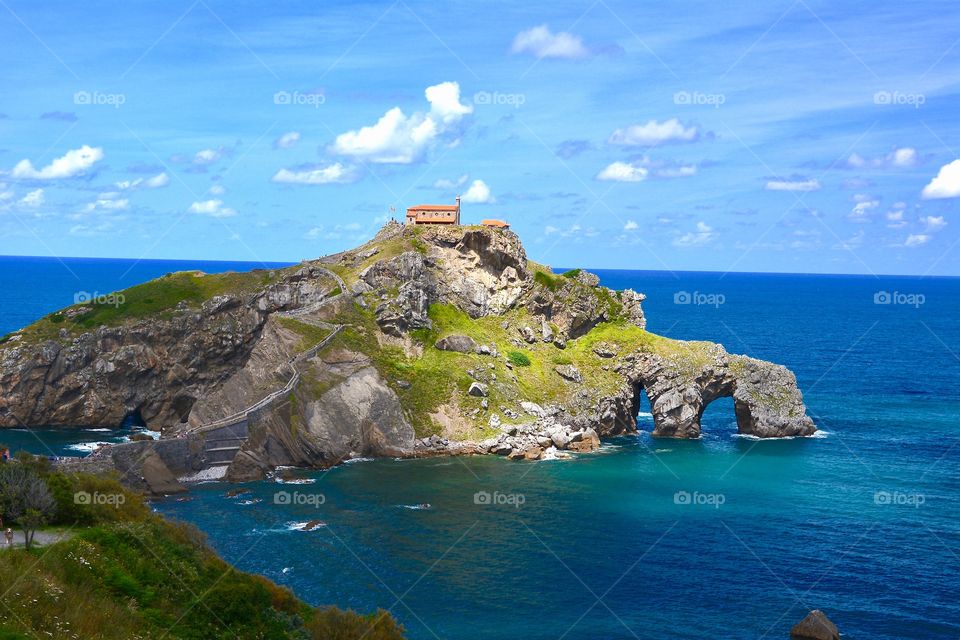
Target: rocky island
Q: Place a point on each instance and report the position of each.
(426, 340)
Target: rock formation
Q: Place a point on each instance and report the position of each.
(815, 626)
(424, 341)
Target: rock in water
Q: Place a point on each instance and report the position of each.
(816, 626)
(457, 343)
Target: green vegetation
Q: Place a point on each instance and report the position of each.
(518, 358)
(546, 280)
(154, 299)
(122, 572)
(573, 273)
(310, 335)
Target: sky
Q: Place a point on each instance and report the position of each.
(794, 136)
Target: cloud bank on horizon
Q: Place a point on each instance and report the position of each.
(781, 137)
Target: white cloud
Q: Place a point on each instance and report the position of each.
(540, 42)
(895, 219)
(287, 140)
(110, 201)
(683, 171)
(631, 226)
(933, 223)
(478, 193)
(623, 172)
(73, 163)
(946, 184)
(550, 230)
(157, 181)
(654, 133)
(898, 158)
(862, 209)
(213, 208)
(33, 199)
(217, 190)
(332, 174)
(809, 184)
(917, 239)
(207, 156)
(400, 139)
(447, 185)
(701, 236)
(852, 242)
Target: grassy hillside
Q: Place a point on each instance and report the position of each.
(126, 573)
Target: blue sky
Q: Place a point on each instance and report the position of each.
(781, 136)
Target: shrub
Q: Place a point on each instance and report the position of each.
(518, 358)
(573, 273)
(546, 280)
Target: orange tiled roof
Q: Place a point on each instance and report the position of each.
(495, 223)
(433, 207)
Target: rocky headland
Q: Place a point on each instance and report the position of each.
(427, 340)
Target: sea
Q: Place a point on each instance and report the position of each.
(722, 537)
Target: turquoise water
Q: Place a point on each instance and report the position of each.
(723, 537)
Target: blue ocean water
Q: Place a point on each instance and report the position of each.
(723, 537)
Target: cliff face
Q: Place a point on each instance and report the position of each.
(424, 341)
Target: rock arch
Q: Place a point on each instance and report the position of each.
(767, 402)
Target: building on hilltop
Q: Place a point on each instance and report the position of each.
(496, 224)
(434, 213)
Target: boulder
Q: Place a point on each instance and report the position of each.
(816, 626)
(477, 389)
(605, 350)
(546, 331)
(457, 343)
(569, 372)
(528, 335)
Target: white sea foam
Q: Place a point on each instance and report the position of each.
(100, 430)
(299, 526)
(295, 480)
(644, 414)
(87, 446)
(415, 507)
(250, 501)
(662, 450)
(355, 460)
(816, 435)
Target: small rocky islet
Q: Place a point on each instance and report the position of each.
(425, 341)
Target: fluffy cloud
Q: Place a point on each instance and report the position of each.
(157, 181)
(795, 184)
(207, 156)
(540, 42)
(478, 193)
(33, 199)
(916, 240)
(110, 201)
(631, 226)
(946, 184)
(863, 208)
(71, 164)
(400, 139)
(213, 208)
(654, 133)
(898, 158)
(623, 172)
(933, 223)
(331, 174)
(287, 140)
(217, 190)
(701, 236)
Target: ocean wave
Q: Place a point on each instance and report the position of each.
(87, 446)
(415, 507)
(816, 435)
(662, 450)
(302, 526)
(295, 480)
(250, 501)
(355, 460)
(644, 414)
(102, 429)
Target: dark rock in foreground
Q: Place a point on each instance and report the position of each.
(816, 626)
